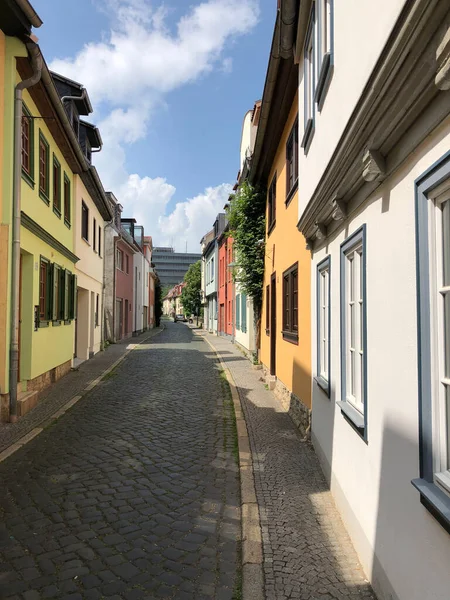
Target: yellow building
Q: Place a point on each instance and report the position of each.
(46, 285)
(285, 347)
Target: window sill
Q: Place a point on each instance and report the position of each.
(26, 177)
(68, 322)
(271, 228)
(44, 197)
(323, 384)
(290, 337)
(354, 416)
(291, 193)
(56, 323)
(85, 240)
(57, 212)
(435, 501)
(326, 71)
(43, 323)
(308, 135)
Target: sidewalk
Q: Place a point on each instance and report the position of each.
(73, 384)
(308, 554)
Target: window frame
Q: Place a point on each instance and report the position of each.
(84, 221)
(67, 200)
(119, 252)
(267, 309)
(238, 312)
(353, 415)
(292, 139)
(100, 241)
(56, 187)
(432, 494)
(322, 381)
(272, 205)
(325, 55)
(94, 235)
(28, 175)
(289, 331)
(309, 81)
(45, 316)
(44, 193)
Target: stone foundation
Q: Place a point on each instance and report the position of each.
(299, 413)
(38, 384)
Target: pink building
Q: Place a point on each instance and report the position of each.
(124, 288)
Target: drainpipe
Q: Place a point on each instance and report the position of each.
(36, 64)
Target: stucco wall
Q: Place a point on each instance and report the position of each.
(124, 288)
(138, 291)
(245, 338)
(403, 549)
(284, 246)
(360, 31)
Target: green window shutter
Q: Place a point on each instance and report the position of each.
(238, 311)
(73, 297)
(244, 312)
(65, 295)
(56, 274)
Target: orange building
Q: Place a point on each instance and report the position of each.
(285, 348)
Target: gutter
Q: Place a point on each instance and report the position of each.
(288, 18)
(36, 64)
(29, 12)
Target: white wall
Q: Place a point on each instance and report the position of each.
(138, 291)
(211, 271)
(245, 339)
(360, 31)
(403, 549)
(246, 137)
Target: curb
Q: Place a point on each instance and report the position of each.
(252, 549)
(61, 411)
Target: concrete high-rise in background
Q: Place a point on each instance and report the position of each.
(172, 266)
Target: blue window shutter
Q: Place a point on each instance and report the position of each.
(238, 311)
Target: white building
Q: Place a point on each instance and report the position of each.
(374, 206)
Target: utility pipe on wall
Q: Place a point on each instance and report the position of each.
(36, 64)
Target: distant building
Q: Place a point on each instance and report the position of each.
(172, 266)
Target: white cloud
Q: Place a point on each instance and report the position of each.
(137, 63)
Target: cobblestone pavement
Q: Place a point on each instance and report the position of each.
(307, 551)
(56, 395)
(134, 493)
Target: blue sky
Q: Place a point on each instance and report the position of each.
(170, 83)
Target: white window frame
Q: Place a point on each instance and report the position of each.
(353, 401)
(323, 317)
(439, 202)
(309, 79)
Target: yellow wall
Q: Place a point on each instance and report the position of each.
(4, 242)
(50, 346)
(284, 246)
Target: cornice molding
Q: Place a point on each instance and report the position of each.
(399, 107)
(46, 237)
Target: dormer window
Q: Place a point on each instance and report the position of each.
(75, 123)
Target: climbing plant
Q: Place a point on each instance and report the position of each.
(247, 225)
(191, 293)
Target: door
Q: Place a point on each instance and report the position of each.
(119, 319)
(221, 318)
(273, 324)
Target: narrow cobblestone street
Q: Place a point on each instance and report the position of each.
(134, 493)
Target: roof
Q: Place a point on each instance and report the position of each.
(68, 87)
(92, 134)
(17, 17)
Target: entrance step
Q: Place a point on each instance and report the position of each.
(271, 381)
(26, 401)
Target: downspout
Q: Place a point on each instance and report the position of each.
(36, 65)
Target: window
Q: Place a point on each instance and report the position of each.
(84, 222)
(309, 65)
(324, 48)
(44, 291)
(72, 284)
(323, 324)
(353, 328)
(290, 304)
(238, 311)
(94, 235)
(243, 313)
(272, 204)
(292, 162)
(67, 207)
(99, 241)
(56, 186)
(268, 309)
(27, 146)
(56, 297)
(127, 264)
(119, 259)
(212, 270)
(97, 310)
(44, 160)
(433, 270)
